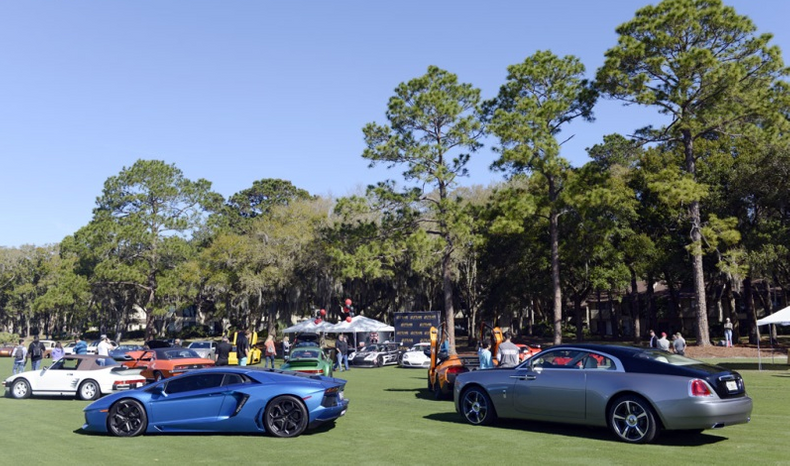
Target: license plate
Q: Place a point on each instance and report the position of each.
(732, 385)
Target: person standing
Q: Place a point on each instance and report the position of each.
(80, 347)
(507, 354)
(104, 346)
(269, 352)
(57, 352)
(728, 332)
(342, 353)
(286, 348)
(653, 339)
(35, 353)
(663, 343)
(484, 355)
(223, 352)
(242, 347)
(679, 344)
(20, 355)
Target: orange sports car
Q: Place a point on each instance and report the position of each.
(161, 363)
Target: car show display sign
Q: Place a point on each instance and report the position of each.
(415, 327)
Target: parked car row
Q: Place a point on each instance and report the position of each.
(634, 392)
(212, 399)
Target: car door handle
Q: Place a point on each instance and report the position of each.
(524, 377)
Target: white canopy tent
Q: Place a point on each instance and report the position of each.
(360, 324)
(309, 325)
(781, 317)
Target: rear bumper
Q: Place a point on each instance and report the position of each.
(329, 414)
(706, 413)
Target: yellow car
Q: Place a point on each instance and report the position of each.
(254, 357)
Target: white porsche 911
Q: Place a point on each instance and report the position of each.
(86, 376)
(416, 357)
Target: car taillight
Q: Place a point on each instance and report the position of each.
(456, 369)
(699, 388)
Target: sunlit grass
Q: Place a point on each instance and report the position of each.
(393, 420)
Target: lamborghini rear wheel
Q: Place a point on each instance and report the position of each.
(285, 416)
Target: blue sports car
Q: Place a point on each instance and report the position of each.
(222, 399)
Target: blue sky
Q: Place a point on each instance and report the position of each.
(236, 91)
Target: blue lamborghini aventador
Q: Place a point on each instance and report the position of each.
(222, 399)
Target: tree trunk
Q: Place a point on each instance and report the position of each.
(701, 318)
(751, 313)
(555, 272)
(635, 308)
(447, 288)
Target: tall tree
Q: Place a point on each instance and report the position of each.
(700, 64)
(540, 97)
(433, 126)
(140, 229)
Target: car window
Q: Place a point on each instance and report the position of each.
(188, 383)
(200, 344)
(181, 353)
(66, 365)
(666, 358)
(232, 379)
(559, 359)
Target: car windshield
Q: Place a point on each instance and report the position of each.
(305, 354)
(666, 358)
(182, 353)
(370, 348)
(200, 344)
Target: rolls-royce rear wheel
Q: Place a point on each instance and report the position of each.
(632, 420)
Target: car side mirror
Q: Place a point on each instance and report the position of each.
(159, 390)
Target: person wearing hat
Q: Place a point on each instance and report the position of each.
(104, 346)
(663, 343)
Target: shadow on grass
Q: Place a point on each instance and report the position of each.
(667, 438)
(753, 366)
(325, 427)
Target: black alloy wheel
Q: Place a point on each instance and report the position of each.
(285, 416)
(127, 418)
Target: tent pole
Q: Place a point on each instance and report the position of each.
(759, 356)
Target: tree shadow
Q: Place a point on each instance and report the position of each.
(753, 366)
(419, 393)
(667, 438)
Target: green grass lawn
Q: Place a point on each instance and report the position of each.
(393, 420)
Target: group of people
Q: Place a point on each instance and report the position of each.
(35, 353)
(678, 343)
(507, 353)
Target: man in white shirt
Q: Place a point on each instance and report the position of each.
(104, 346)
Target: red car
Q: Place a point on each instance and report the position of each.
(526, 351)
(161, 363)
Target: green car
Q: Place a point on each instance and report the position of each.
(310, 360)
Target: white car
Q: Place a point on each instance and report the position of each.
(415, 356)
(69, 349)
(86, 376)
(205, 348)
